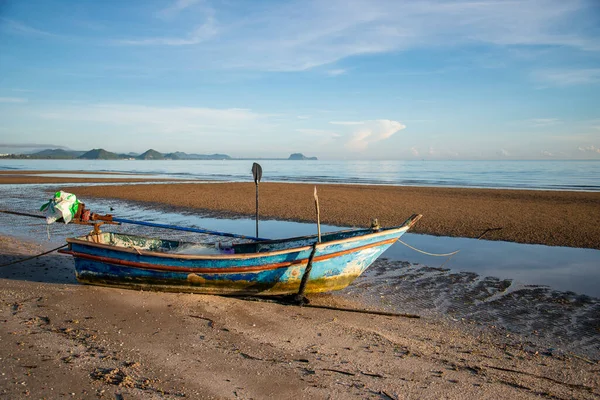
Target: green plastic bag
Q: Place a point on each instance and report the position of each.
(63, 205)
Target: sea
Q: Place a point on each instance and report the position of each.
(537, 175)
(549, 296)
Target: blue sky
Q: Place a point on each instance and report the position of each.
(333, 79)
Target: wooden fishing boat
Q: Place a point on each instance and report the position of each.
(267, 267)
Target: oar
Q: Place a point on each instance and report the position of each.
(257, 174)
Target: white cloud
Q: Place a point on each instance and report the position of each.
(135, 127)
(503, 153)
(347, 122)
(370, 132)
(544, 122)
(131, 127)
(319, 132)
(414, 151)
(176, 7)
(12, 100)
(300, 35)
(201, 33)
(204, 29)
(336, 72)
(158, 119)
(567, 77)
(445, 153)
(589, 149)
(546, 153)
(19, 28)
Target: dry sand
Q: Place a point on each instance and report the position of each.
(61, 339)
(541, 217)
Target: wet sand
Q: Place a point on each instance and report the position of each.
(46, 172)
(61, 339)
(536, 217)
(35, 177)
(555, 218)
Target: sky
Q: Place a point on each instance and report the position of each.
(340, 80)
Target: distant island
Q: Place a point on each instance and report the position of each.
(151, 154)
(300, 156)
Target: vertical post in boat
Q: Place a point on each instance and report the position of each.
(257, 174)
(318, 216)
(299, 298)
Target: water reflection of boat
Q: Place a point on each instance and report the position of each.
(268, 267)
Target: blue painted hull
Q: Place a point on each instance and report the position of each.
(260, 268)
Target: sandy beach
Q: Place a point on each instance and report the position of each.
(62, 339)
(59, 338)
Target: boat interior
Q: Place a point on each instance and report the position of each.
(218, 247)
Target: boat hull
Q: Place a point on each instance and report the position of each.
(272, 270)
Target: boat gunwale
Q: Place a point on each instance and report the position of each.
(382, 232)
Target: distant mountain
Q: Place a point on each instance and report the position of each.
(178, 155)
(100, 154)
(151, 155)
(57, 154)
(300, 156)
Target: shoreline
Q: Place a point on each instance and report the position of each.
(11, 174)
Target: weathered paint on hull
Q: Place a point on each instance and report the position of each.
(326, 275)
(262, 268)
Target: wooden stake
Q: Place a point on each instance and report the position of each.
(318, 215)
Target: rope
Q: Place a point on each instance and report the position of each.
(22, 214)
(426, 253)
(32, 257)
